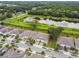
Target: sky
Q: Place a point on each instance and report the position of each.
(39, 0)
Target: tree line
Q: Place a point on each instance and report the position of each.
(63, 9)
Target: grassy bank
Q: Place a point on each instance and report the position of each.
(17, 22)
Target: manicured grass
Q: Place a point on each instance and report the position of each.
(16, 21)
(71, 31)
(52, 44)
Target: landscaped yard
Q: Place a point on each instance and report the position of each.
(1, 43)
(1, 36)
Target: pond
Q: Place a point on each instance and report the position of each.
(55, 23)
(62, 23)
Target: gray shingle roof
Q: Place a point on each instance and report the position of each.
(6, 29)
(34, 35)
(16, 31)
(67, 41)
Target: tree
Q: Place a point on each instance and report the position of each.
(8, 46)
(37, 18)
(44, 44)
(17, 36)
(74, 52)
(54, 33)
(39, 42)
(4, 36)
(42, 53)
(3, 40)
(28, 52)
(45, 18)
(8, 15)
(17, 39)
(74, 43)
(34, 25)
(2, 17)
(57, 47)
(30, 41)
(65, 48)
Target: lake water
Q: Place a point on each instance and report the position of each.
(62, 23)
(55, 23)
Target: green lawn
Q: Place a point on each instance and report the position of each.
(71, 31)
(17, 21)
(52, 44)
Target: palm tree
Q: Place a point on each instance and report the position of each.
(17, 39)
(74, 51)
(8, 46)
(30, 41)
(28, 52)
(74, 43)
